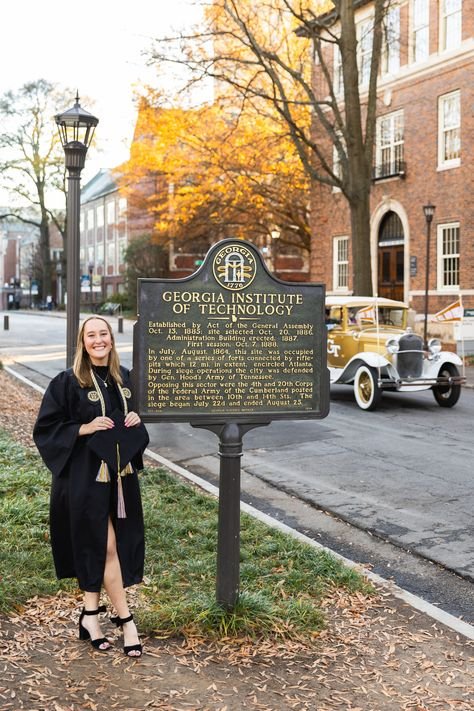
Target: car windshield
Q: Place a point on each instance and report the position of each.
(366, 316)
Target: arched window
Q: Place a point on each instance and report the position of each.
(391, 230)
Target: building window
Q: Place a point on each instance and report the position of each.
(365, 32)
(338, 80)
(111, 258)
(336, 160)
(90, 220)
(420, 30)
(448, 256)
(111, 213)
(391, 49)
(122, 246)
(449, 126)
(451, 13)
(389, 150)
(336, 167)
(100, 255)
(341, 263)
(99, 213)
(122, 218)
(122, 208)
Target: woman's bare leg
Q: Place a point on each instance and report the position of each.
(113, 584)
(91, 622)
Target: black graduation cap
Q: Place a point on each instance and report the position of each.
(118, 445)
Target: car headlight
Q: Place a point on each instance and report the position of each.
(434, 345)
(392, 345)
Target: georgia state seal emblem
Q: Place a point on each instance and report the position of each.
(234, 267)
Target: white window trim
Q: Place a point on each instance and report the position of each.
(440, 257)
(442, 29)
(413, 29)
(335, 265)
(454, 162)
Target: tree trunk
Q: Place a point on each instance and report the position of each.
(360, 227)
(45, 253)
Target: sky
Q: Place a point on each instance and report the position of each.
(101, 58)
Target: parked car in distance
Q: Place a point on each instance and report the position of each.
(371, 348)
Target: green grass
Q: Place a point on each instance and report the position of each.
(282, 580)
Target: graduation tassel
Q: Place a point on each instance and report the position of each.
(121, 513)
(103, 473)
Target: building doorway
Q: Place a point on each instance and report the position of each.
(391, 257)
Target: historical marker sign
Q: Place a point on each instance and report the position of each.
(230, 343)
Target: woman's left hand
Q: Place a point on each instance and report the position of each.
(132, 420)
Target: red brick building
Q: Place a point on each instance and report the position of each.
(424, 153)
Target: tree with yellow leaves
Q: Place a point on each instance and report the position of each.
(280, 56)
(204, 174)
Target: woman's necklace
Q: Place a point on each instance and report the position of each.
(103, 380)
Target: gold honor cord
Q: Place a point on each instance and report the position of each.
(101, 397)
(103, 475)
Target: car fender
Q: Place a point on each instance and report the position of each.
(347, 374)
(432, 366)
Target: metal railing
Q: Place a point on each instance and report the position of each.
(389, 170)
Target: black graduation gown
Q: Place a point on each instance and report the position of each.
(80, 506)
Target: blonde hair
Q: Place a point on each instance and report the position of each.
(82, 365)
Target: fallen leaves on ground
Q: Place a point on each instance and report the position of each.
(376, 653)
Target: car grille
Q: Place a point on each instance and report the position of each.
(410, 356)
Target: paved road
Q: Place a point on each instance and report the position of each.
(403, 473)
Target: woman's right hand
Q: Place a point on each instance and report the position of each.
(96, 425)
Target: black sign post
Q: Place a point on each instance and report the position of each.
(228, 349)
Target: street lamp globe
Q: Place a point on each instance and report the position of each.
(76, 128)
(429, 210)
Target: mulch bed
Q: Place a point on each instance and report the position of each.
(376, 653)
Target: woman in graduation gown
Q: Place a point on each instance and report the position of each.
(96, 518)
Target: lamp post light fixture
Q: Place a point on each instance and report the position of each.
(91, 272)
(429, 210)
(76, 129)
(275, 235)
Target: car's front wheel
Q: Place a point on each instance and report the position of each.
(447, 395)
(366, 389)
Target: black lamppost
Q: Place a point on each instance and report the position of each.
(429, 212)
(76, 128)
(59, 273)
(91, 272)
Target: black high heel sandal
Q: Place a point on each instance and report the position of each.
(85, 634)
(120, 621)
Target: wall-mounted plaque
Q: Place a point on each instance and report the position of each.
(231, 342)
